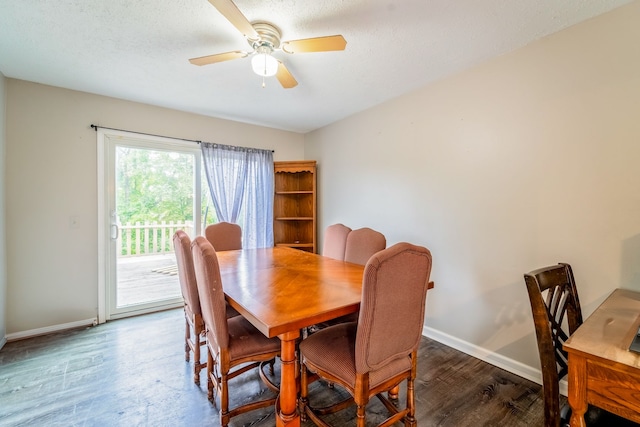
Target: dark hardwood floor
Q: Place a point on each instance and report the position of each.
(132, 372)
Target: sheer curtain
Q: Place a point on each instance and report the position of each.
(241, 186)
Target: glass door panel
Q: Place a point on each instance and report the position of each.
(152, 187)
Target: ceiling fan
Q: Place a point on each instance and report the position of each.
(264, 39)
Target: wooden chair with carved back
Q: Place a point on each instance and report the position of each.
(556, 315)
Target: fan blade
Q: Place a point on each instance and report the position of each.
(316, 44)
(284, 77)
(220, 57)
(230, 11)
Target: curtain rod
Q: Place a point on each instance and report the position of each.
(95, 127)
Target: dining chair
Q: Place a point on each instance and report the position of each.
(194, 324)
(362, 243)
(379, 351)
(224, 236)
(234, 346)
(335, 241)
(556, 315)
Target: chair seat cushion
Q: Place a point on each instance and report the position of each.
(245, 340)
(333, 350)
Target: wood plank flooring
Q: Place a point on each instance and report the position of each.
(138, 282)
(132, 372)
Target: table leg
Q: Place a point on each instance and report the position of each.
(577, 382)
(286, 407)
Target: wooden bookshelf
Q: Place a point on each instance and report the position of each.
(294, 207)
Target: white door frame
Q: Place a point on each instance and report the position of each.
(107, 141)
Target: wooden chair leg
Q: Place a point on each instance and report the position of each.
(224, 400)
(410, 419)
(196, 359)
(210, 371)
(302, 402)
(187, 337)
(360, 414)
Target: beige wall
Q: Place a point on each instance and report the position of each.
(3, 264)
(524, 161)
(51, 174)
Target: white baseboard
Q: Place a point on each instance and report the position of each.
(491, 357)
(49, 329)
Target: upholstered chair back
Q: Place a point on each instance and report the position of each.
(362, 244)
(186, 274)
(335, 241)
(210, 291)
(394, 291)
(224, 236)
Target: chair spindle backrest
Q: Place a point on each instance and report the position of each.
(556, 315)
(556, 308)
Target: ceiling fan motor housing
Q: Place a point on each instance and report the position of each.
(269, 37)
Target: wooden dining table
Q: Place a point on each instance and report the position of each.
(602, 370)
(281, 291)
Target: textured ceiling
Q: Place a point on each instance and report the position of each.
(139, 50)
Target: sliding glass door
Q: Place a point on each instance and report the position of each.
(150, 187)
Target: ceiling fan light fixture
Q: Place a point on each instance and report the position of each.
(264, 64)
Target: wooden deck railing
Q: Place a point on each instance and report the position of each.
(149, 238)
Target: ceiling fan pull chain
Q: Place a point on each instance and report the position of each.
(265, 72)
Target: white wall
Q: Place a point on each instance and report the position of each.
(524, 161)
(3, 260)
(51, 174)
